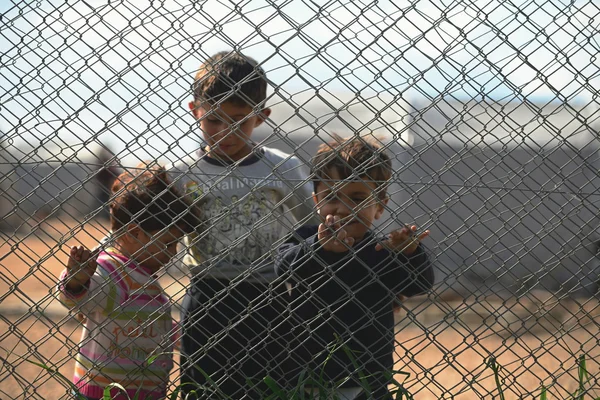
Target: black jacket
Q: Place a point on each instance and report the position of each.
(345, 295)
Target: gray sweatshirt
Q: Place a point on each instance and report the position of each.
(248, 207)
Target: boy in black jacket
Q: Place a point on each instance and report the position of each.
(342, 281)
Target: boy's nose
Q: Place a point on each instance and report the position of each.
(222, 132)
(343, 210)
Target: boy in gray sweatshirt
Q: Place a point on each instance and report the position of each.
(252, 196)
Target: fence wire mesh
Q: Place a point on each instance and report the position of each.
(488, 111)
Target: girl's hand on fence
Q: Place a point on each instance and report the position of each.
(405, 240)
(80, 267)
(333, 237)
(81, 318)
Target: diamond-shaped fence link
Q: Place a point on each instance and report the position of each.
(236, 263)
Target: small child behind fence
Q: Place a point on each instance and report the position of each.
(343, 281)
(127, 314)
(251, 196)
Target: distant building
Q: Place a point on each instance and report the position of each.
(5, 168)
(510, 191)
(38, 188)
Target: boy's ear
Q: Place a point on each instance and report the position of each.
(264, 114)
(194, 109)
(314, 196)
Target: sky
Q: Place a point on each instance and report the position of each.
(74, 76)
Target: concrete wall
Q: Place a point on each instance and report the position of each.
(510, 192)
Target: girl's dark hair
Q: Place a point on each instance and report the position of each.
(144, 197)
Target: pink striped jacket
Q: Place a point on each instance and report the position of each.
(128, 322)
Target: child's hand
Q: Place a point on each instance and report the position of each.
(81, 266)
(333, 237)
(404, 239)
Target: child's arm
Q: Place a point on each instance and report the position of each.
(297, 251)
(287, 254)
(89, 284)
(300, 202)
(407, 243)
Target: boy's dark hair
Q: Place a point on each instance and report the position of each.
(353, 158)
(233, 76)
(144, 197)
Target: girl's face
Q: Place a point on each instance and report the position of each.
(151, 249)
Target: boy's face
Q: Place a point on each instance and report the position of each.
(355, 202)
(154, 249)
(216, 122)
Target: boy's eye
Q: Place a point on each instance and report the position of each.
(240, 121)
(329, 197)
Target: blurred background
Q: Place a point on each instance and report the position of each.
(489, 109)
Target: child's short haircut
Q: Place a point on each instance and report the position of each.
(352, 158)
(231, 77)
(145, 197)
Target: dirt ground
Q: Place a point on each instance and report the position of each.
(442, 345)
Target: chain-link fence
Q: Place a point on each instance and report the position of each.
(488, 111)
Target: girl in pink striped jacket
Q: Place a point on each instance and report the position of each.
(128, 316)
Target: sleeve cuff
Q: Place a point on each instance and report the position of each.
(72, 294)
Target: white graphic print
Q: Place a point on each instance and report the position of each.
(235, 235)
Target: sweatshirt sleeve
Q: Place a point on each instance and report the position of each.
(287, 255)
(105, 290)
(297, 250)
(408, 275)
(300, 201)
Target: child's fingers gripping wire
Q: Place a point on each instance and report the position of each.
(332, 236)
(406, 239)
(81, 266)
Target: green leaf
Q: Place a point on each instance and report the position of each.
(277, 390)
(152, 359)
(496, 368)
(583, 378)
(361, 376)
(60, 376)
(394, 372)
(175, 393)
(190, 393)
(43, 366)
(582, 369)
(399, 390)
(544, 394)
(106, 395)
(212, 386)
(298, 392)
